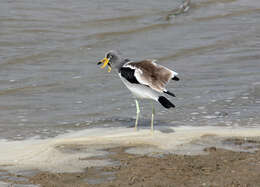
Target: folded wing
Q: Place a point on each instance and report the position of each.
(148, 73)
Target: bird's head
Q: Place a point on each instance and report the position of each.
(111, 59)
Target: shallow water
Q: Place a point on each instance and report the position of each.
(50, 83)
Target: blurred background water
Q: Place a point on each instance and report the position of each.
(50, 83)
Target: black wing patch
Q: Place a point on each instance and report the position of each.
(128, 74)
(169, 93)
(175, 78)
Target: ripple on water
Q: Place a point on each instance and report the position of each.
(49, 73)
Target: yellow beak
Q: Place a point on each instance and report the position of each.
(105, 61)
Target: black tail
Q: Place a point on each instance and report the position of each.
(165, 102)
(175, 78)
(170, 93)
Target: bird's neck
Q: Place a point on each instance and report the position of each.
(122, 62)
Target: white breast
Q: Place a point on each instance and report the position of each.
(140, 91)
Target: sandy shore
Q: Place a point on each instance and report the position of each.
(218, 167)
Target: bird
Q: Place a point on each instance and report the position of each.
(146, 79)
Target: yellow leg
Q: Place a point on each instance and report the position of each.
(137, 114)
(153, 112)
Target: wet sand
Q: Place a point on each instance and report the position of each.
(217, 167)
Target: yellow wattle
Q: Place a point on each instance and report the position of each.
(105, 61)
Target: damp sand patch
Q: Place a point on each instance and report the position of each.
(187, 155)
(216, 167)
(69, 152)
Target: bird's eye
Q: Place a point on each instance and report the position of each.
(108, 56)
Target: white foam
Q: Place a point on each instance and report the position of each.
(48, 155)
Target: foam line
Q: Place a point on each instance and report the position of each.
(57, 154)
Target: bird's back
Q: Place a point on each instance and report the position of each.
(149, 73)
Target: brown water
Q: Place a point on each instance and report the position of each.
(50, 83)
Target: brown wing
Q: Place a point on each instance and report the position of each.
(149, 73)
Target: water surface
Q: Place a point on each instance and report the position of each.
(50, 84)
